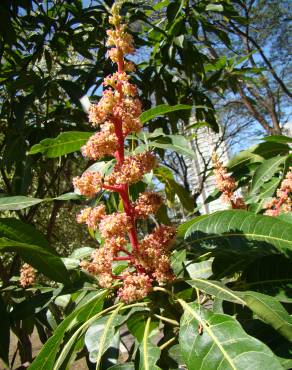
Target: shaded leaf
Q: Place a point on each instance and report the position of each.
(38, 257)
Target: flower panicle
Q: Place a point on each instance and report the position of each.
(282, 203)
(116, 115)
(27, 275)
(226, 184)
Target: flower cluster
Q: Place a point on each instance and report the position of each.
(226, 184)
(91, 216)
(132, 169)
(148, 203)
(116, 115)
(88, 184)
(27, 275)
(282, 203)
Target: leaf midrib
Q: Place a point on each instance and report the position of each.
(209, 331)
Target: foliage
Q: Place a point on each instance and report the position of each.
(229, 304)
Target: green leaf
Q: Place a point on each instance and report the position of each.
(270, 311)
(82, 252)
(100, 335)
(149, 353)
(257, 153)
(278, 139)
(161, 110)
(65, 143)
(14, 229)
(216, 289)
(199, 269)
(221, 343)
(5, 333)
(63, 356)
(165, 176)
(238, 226)
(265, 172)
(69, 196)
(39, 258)
(46, 357)
(17, 202)
(267, 308)
(215, 7)
(176, 143)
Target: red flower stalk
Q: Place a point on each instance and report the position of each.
(117, 115)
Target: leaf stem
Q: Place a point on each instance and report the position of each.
(166, 319)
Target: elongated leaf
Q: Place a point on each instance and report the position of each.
(236, 227)
(175, 143)
(69, 346)
(216, 289)
(149, 354)
(278, 139)
(215, 7)
(69, 196)
(38, 257)
(100, 335)
(65, 143)
(46, 358)
(267, 308)
(14, 229)
(265, 172)
(257, 153)
(270, 311)
(17, 202)
(221, 343)
(165, 176)
(161, 110)
(5, 333)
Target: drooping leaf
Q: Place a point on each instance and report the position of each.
(161, 110)
(65, 143)
(100, 335)
(221, 343)
(238, 226)
(265, 307)
(46, 357)
(15, 203)
(41, 259)
(265, 172)
(14, 229)
(278, 139)
(63, 356)
(270, 311)
(69, 196)
(149, 353)
(176, 143)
